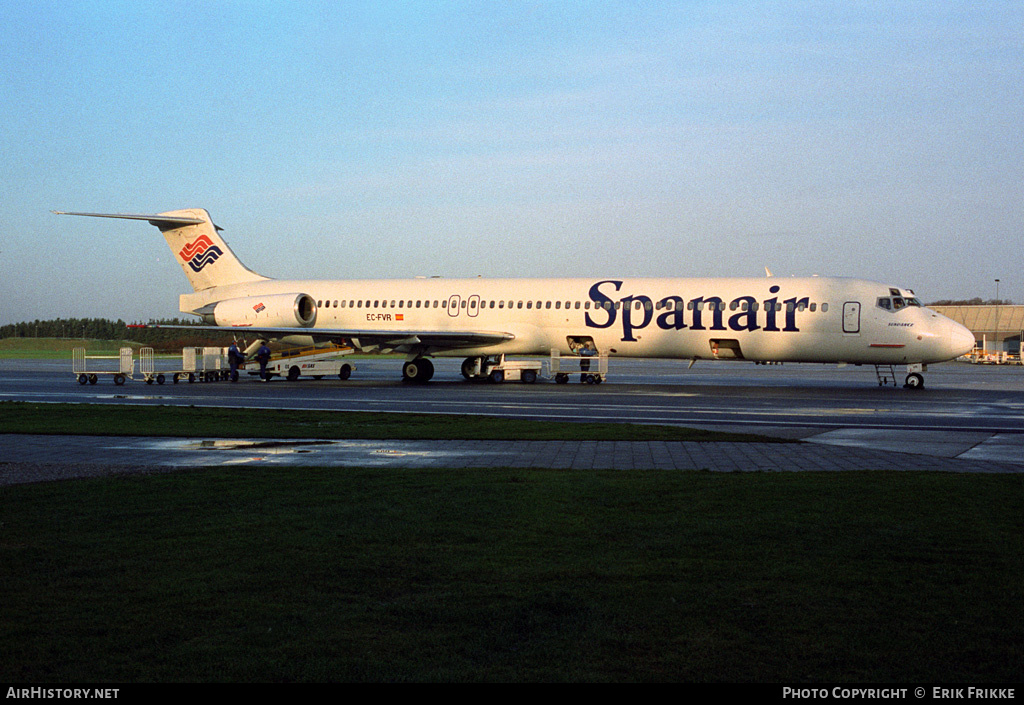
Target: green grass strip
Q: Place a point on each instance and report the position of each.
(145, 420)
(513, 575)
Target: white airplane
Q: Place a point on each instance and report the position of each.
(816, 319)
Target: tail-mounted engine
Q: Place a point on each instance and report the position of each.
(274, 311)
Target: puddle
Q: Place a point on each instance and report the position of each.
(243, 444)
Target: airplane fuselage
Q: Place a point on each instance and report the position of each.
(814, 319)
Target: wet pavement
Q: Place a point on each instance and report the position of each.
(33, 458)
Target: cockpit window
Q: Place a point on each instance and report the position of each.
(895, 303)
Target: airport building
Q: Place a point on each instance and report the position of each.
(997, 329)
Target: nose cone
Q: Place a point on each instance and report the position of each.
(961, 340)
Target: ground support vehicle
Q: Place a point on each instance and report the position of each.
(593, 369)
(197, 364)
(87, 373)
(312, 362)
(500, 369)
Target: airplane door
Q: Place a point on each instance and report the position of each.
(851, 317)
(474, 305)
(453, 305)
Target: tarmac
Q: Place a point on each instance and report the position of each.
(28, 458)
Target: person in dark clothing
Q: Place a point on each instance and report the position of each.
(235, 358)
(263, 357)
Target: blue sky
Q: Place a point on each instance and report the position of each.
(514, 139)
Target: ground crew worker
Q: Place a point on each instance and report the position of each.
(235, 358)
(263, 357)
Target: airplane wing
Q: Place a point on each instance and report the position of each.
(372, 338)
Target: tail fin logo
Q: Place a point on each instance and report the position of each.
(199, 253)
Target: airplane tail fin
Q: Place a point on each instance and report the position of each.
(196, 243)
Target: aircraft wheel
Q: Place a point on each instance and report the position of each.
(345, 372)
(914, 381)
(467, 365)
(293, 373)
(82, 379)
(418, 371)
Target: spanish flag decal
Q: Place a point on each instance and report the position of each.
(399, 316)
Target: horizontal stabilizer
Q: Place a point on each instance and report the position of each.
(198, 248)
(161, 221)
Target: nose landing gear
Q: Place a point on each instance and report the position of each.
(914, 381)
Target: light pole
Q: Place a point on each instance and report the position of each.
(999, 346)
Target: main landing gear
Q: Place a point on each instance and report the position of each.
(417, 371)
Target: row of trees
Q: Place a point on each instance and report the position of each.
(976, 301)
(105, 329)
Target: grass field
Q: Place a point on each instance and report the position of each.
(116, 419)
(499, 575)
(58, 348)
(513, 575)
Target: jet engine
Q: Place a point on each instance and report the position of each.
(273, 311)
